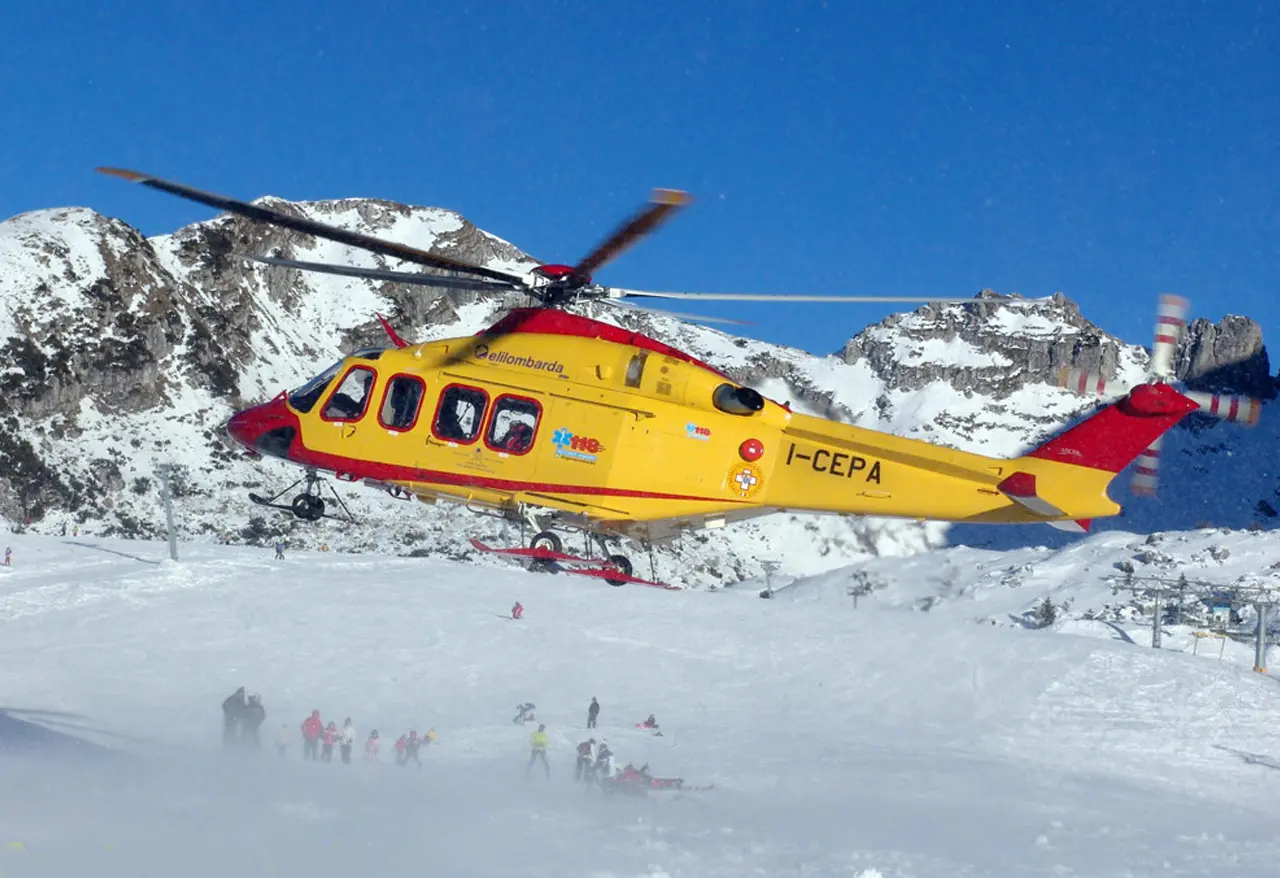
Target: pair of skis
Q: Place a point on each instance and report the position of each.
(598, 568)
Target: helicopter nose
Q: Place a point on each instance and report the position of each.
(265, 429)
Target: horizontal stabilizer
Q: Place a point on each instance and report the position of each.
(1021, 488)
(1079, 526)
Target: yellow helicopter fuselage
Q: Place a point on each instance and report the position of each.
(622, 434)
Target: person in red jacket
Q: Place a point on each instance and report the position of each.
(311, 730)
(517, 611)
(372, 746)
(401, 742)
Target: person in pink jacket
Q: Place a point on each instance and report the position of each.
(372, 746)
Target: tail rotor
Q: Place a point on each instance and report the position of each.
(1171, 323)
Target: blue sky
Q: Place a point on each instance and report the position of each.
(1108, 150)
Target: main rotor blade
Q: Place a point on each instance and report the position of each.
(664, 313)
(404, 277)
(310, 227)
(777, 297)
(662, 204)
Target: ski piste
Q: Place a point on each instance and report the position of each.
(604, 568)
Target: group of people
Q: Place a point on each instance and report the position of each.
(241, 719)
(316, 736)
(243, 716)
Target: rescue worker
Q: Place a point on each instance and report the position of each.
(604, 761)
(372, 746)
(585, 765)
(592, 712)
(232, 709)
(254, 716)
(312, 728)
(538, 750)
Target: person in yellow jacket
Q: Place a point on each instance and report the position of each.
(538, 750)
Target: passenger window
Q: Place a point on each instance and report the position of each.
(513, 425)
(460, 414)
(352, 396)
(401, 402)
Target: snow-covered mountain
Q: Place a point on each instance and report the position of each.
(123, 353)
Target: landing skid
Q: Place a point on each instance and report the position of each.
(309, 505)
(550, 559)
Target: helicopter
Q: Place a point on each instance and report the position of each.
(568, 424)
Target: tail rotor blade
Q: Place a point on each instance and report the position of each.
(1146, 475)
(1082, 382)
(1236, 409)
(1171, 320)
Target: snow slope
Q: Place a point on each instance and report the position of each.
(873, 743)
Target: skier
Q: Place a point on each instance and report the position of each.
(524, 713)
(411, 749)
(372, 746)
(279, 550)
(254, 715)
(328, 739)
(282, 739)
(347, 739)
(538, 750)
(592, 712)
(585, 765)
(312, 728)
(232, 709)
(517, 611)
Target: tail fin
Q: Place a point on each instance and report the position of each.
(1112, 438)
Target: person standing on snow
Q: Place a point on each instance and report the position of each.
(282, 739)
(254, 715)
(312, 728)
(8, 556)
(346, 740)
(538, 750)
(400, 745)
(279, 550)
(233, 707)
(585, 765)
(592, 712)
(411, 749)
(328, 739)
(372, 746)
(517, 611)
(604, 761)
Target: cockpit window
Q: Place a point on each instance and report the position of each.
(305, 397)
(352, 396)
(735, 400)
(369, 353)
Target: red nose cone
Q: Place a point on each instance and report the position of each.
(269, 428)
(241, 428)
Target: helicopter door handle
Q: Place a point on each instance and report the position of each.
(348, 430)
